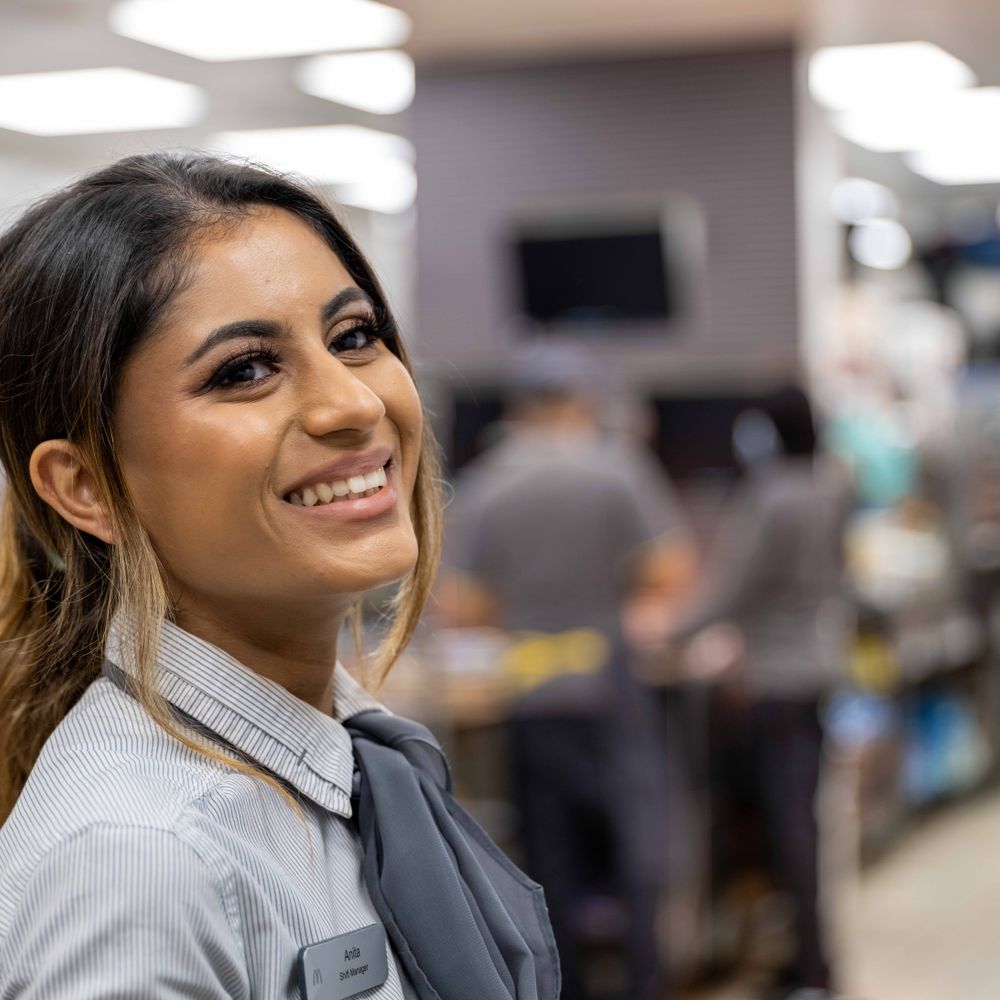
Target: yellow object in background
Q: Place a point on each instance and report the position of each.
(873, 664)
(536, 657)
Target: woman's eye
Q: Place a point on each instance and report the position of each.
(358, 338)
(247, 370)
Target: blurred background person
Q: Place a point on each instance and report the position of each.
(557, 523)
(778, 572)
(551, 529)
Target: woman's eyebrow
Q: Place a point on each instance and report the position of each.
(345, 296)
(232, 331)
(268, 328)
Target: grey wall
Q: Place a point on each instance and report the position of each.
(715, 130)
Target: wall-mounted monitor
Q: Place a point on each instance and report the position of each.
(622, 263)
(594, 276)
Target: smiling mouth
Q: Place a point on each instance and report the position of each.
(338, 490)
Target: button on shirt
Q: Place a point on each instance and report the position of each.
(133, 867)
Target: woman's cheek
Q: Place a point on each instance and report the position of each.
(404, 410)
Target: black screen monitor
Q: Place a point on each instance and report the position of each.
(598, 276)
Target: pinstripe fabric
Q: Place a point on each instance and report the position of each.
(131, 867)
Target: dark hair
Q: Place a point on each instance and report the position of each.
(792, 416)
(84, 276)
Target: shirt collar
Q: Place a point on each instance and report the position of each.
(301, 745)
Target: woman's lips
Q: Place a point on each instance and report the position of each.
(347, 466)
(334, 490)
(353, 508)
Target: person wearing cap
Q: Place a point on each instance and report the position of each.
(556, 524)
(552, 528)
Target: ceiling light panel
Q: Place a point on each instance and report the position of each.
(390, 186)
(380, 82)
(109, 99)
(366, 167)
(919, 123)
(851, 76)
(970, 163)
(224, 30)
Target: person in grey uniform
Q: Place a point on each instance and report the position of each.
(778, 572)
(551, 531)
(556, 524)
(213, 449)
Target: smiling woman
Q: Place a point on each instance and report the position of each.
(214, 448)
(270, 371)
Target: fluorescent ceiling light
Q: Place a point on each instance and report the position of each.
(366, 167)
(851, 76)
(381, 82)
(885, 128)
(223, 30)
(110, 99)
(921, 122)
(856, 199)
(390, 186)
(327, 154)
(880, 243)
(971, 163)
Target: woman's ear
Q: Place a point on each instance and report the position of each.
(63, 480)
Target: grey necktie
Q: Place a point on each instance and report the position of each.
(464, 920)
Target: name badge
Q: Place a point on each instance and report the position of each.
(343, 965)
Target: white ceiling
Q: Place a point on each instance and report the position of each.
(466, 29)
(969, 29)
(61, 34)
(38, 35)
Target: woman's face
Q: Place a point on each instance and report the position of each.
(264, 397)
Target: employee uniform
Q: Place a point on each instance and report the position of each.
(134, 867)
(548, 523)
(778, 572)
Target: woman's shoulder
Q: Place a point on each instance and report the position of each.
(108, 753)
(121, 907)
(107, 765)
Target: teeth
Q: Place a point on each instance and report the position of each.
(338, 489)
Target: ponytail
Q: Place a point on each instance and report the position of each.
(49, 648)
(54, 618)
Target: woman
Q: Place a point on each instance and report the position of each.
(214, 448)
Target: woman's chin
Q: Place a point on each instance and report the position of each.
(388, 566)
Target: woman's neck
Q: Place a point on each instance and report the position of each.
(299, 655)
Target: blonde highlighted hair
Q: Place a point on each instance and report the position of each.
(84, 275)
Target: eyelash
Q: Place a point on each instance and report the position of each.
(377, 328)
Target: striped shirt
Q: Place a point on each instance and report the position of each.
(133, 867)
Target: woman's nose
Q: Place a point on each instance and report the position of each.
(336, 398)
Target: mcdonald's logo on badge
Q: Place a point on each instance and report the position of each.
(344, 966)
